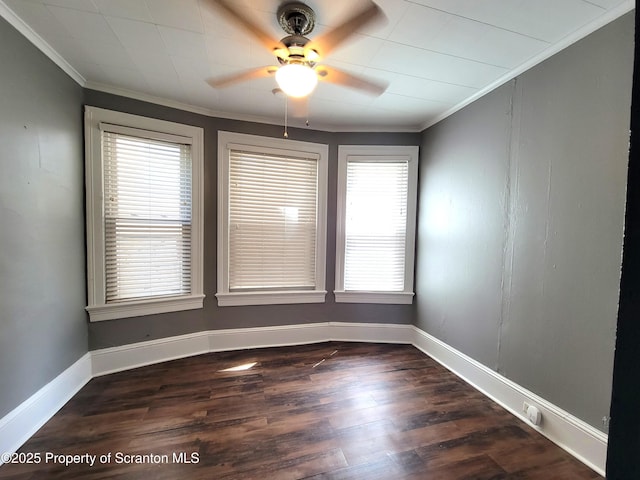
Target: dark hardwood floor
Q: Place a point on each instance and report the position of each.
(325, 411)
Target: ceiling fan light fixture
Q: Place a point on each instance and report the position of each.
(296, 80)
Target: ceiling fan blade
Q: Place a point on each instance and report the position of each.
(230, 9)
(367, 14)
(227, 80)
(340, 77)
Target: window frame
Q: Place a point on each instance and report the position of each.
(97, 307)
(381, 153)
(226, 142)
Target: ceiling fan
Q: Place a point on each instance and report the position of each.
(298, 69)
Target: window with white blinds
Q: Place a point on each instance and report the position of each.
(147, 215)
(144, 215)
(272, 220)
(376, 224)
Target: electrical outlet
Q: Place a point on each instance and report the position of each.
(534, 415)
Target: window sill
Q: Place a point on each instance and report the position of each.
(270, 298)
(400, 298)
(139, 308)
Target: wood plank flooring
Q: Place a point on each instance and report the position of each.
(324, 411)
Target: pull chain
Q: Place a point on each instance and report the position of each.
(286, 112)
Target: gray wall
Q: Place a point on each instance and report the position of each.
(42, 261)
(522, 198)
(119, 332)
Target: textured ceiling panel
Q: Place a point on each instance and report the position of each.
(433, 55)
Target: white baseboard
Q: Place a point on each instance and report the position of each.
(126, 357)
(264, 337)
(371, 332)
(581, 440)
(23, 421)
(584, 442)
(134, 355)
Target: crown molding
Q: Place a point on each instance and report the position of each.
(16, 22)
(565, 42)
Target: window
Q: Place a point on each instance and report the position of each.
(271, 220)
(375, 237)
(144, 215)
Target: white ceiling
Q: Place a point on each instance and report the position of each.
(436, 55)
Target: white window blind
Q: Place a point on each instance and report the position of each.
(375, 226)
(272, 221)
(147, 215)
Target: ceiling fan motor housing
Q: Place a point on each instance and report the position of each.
(296, 18)
(295, 44)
